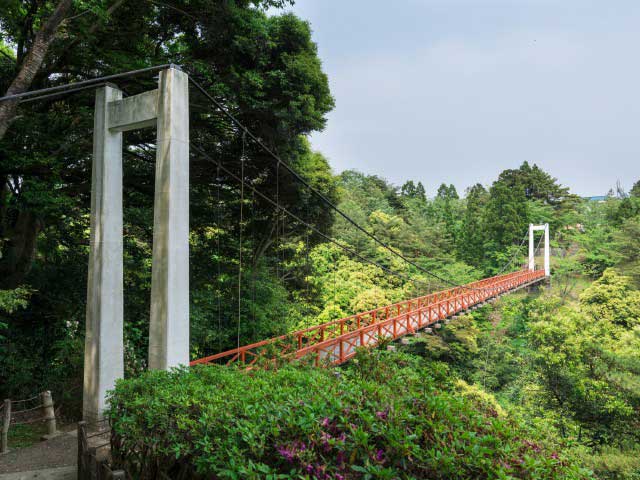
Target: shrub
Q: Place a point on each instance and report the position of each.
(386, 415)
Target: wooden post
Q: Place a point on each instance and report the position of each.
(49, 413)
(82, 434)
(4, 448)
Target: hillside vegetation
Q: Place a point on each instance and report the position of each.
(542, 385)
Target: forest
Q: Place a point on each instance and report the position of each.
(544, 384)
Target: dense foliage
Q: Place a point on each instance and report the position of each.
(538, 372)
(565, 362)
(386, 415)
(264, 69)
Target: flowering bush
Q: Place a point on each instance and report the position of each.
(386, 415)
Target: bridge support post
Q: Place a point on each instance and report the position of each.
(532, 264)
(547, 249)
(103, 350)
(166, 108)
(169, 327)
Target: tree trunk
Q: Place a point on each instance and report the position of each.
(19, 252)
(32, 63)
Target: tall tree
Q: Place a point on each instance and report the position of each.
(265, 69)
(536, 184)
(473, 231)
(506, 215)
(447, 192)
(413, 190)
(31, 48)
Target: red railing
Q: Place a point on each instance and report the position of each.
(335, 342)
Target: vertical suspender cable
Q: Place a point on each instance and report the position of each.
(278, 222)
(219, 258)
(240, 237)
(335, 269)
(307, 247)
(253, 264)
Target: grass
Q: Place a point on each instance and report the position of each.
(21, 436)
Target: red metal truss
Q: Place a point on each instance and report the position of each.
(336, 342)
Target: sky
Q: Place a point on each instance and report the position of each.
(456, 91)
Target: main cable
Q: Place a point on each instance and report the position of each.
(298, 219)
(98, 81)
(319, 194)
(84, 84)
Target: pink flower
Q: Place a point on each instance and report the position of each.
(286, 453)
(383, 415)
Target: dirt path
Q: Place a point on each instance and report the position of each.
(60, 451)
(58, 473)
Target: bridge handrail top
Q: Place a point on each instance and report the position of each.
(375, 326)
(299, 333)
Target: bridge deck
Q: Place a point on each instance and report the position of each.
(336, 342)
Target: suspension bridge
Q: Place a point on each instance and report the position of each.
(167, 109)
(336, 342)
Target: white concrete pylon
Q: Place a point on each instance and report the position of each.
(547, 251)
(169, 327)
(532, 262)
(168, 108)
(103, 351)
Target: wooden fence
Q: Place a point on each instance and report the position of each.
(94, 452)
(38, 408)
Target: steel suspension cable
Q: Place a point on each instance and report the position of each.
(503, 269)
(83, 84)
(278, 223)
(98, 81)
(300, 221)
(254, 266)
(319, 194)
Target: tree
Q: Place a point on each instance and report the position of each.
(265, 70)
(31, 49)
(506, 215)
(586, 367)
(537, 184)
(613, 297)
(473, 231)
(412, 191)
(629, 207)
(635, 190)
(447, 192)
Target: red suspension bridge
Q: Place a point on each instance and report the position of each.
(337, 341)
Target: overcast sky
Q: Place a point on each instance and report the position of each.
(456, 91)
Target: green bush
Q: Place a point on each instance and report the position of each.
(613, 464)
(386, 415)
